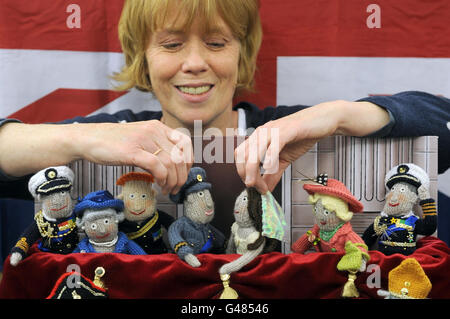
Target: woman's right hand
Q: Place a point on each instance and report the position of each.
(164, 152)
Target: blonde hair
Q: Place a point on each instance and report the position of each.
(140, 18)
(334, 204)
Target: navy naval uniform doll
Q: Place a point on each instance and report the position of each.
(397, 227)
(54, 225)
(192, 233)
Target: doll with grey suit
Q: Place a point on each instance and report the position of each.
(192, 234)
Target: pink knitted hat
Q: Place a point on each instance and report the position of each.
(337, 189)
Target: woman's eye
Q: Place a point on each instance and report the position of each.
(216, 45)
(172, 46)
(402, 189)
(201, 194)
(326, 212)
(131, 196)
(93, 226)
(144, 196)
(106, 221)
(244, 198)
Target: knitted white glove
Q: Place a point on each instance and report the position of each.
(15, 259)
(423, 192)
(192, 260)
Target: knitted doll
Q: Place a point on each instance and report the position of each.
(99, 214)
(192, 233)
(258, 228)
(143, 222)
(333, 209)
(396, 228)
(407, 281)
(54, 224)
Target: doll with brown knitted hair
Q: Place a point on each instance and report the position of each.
(258, 228)
(246, 238)
(143, 223)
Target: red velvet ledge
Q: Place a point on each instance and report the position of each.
(273, 275)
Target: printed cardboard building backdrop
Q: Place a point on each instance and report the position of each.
(360, 163)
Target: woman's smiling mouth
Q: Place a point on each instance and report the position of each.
(194, 90)
(195, 93)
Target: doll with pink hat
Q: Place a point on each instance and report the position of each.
(333, 208)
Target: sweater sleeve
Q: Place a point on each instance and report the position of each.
(428, 223)
(118, 117)
(302, 244)
(176, 240)
(27, 239)
(418, 114)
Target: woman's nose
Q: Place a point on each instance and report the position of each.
(195, 59)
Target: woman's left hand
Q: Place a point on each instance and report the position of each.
(278, 143)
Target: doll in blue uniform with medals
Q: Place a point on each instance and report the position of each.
(397, 227)
(192, 233)
(54, 225)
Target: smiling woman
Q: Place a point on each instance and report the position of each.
(141, 19)
(193, 63)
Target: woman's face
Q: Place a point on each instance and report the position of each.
(194, 73)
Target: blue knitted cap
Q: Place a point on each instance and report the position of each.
(195, 182)
(98, 200)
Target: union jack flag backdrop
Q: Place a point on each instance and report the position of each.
(56, 56)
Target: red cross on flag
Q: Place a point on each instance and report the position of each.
(56, 56)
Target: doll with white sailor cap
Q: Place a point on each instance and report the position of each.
(192, 233)
(54, 225)
(397, 227)
(99, 214)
